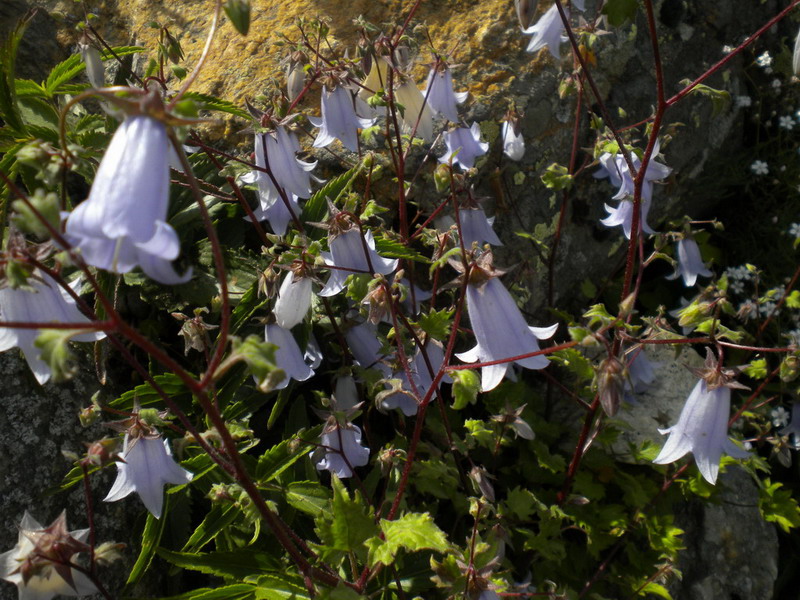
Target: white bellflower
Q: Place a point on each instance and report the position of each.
(690, 263)
(342, 450)
(339, 119)
(548, 31)
(439, 92)
(123, 222)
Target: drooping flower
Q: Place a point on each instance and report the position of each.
(339, 119)
(123, 222)
(93, 61)
(404, 397)
(148, 467)
(702, 427)
(363, 343)
(288, 356)
(641, 371)
(37, 565)
(350, 252)
(342, 450)
(277, 151)
(500, 330)
(464, 146)
(294, 300)
(548, 31)
(513, 143)
(476, 227)
(44, 302)
(439, 92)
(793, 428)
(416, 111)
(615, 167)
(690, 263)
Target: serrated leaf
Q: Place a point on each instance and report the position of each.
(349, 523)
(236, 564)
(9, 111)
(720, 99)
(656, 589)
(28, 88)
(436, 323)
(282, 456)
(208, 102)
(412, 532)
(146, 394)
(395, 249)
(73, 66)
(280, 587)
(308, 496)
(219, 517)
(466, 385)
(316, 206)
(238, 591)
(248, 305)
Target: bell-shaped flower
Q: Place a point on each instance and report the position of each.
(294, 300)
(622, 215)
(416, 111)
(476, 227)
(94, 63)
(339, 119)
(641, 370)
(548, 31)
(43, 301)
(341, 450)
(500, 332)
(363, 343)
(439, 92)
(513, 143)
(288, 355)
(793, 428)
(123, 222)
(464, 146)
(38, 564)
(702, 427)
(148, 466)
(690, 263)
(350, 252)
(277, 151)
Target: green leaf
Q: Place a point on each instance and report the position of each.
(146, 394)
(778, 506)
(436, 323)
(619, 11)
(56, 352)
(260, 357)
(219, 517)
(309, 497)
(349, 523)
(720, 99)
(466, 385)
(247, 307)
(316, 206)
(208, 102)
(282, 456)
(557, 177)
(74, 66)
(239, 591)
(9, 110)
(395, 249)
(237, 564)
(151, 536)
(280, 587)
(656, 589)
(26, 88)
(412, 531)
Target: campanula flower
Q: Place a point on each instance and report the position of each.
(363, 343)
(123, 222)
(439, 92)
(464, 146)
(548, 31)
(148, 467)
(94, 63)
(294, 300)
(350, 252)
(476, 227)
(339, 119)
(500, 332)
(45, 301)
(37, 564)
(690, 263)
(342, 450)
(793, 428)
(513, 143)
(702, 427)
(415, 110)
(295, 364)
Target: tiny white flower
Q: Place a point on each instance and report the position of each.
(776, 84)
(148, 467)
(726, 49)
(779, 416)
(764, 60)
(744, 101)
(759, 167)
(794, 230)
(786, 122)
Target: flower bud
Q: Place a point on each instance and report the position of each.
(790, 368)
(94, 63)
(610, 384)
(441, 177)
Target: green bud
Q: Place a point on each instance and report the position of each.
(441, 177)
(790, 368)
(238, 12)
(179, 72)
(149, 416)
(35, 154)
(56, 353)
(466, 385)
(25, 218)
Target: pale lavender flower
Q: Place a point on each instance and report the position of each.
(690, 263)
(339, 119)
(44, 302)
(548, 31)
(94, 64)
(288, 356)
(641, 371)
(278, 151)
(501, 332)
(32, 564)
(342, 450)
(123, 222)
(513, 143)
(464, 146)
(405, 399)
(349, 254)
(363, 343)
(345, 393)
(622, 215)
(702, 429)
(148, 467)
(476, 227)
(439, 92)
(294, 300)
